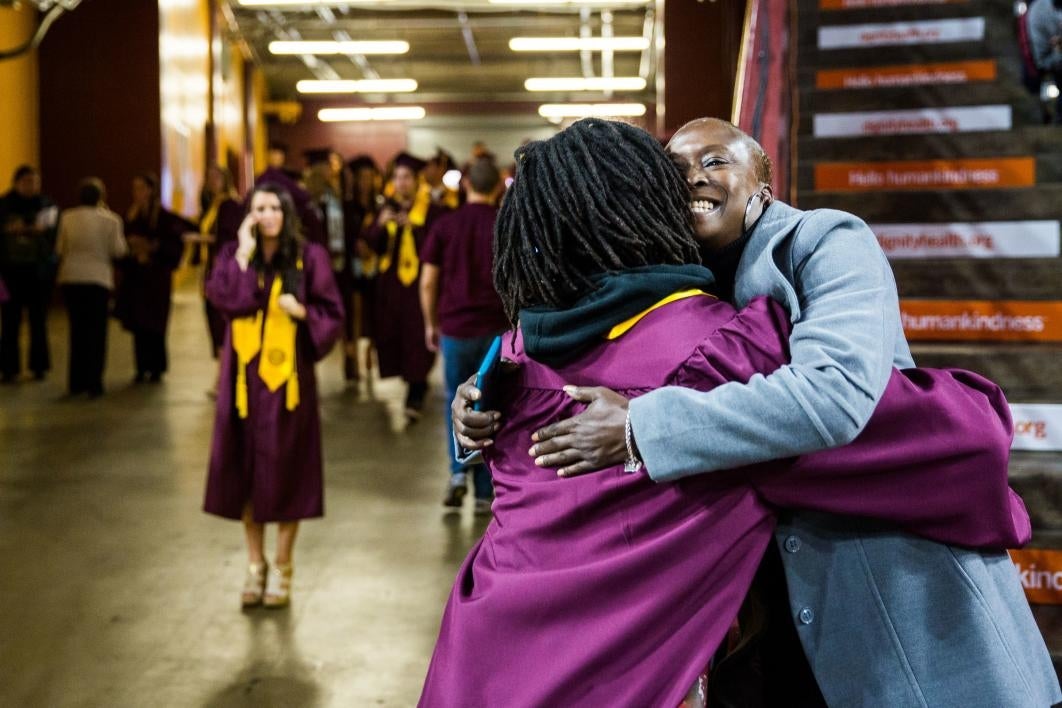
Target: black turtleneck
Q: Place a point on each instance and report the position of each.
(724, 263)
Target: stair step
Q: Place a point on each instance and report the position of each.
(1027, 373)
(1043, 202)
(1048, 173)
(1041, 140)
(980, 278)
(1025, 107)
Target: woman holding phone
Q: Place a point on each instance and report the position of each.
(284, 313)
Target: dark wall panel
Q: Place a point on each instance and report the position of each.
(100, 105)
(700, 59)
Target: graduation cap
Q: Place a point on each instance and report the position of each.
(317, 155)
(361, 162)
(404, 159)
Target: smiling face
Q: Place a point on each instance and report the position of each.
(719, 166)
(266, 208)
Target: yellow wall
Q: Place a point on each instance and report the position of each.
(184, 47)
(19, 107)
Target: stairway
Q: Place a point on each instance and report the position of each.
(1029, 371)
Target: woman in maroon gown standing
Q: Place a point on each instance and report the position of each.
(280, 299)
(143, 300)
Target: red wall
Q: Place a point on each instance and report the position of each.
(99, 98)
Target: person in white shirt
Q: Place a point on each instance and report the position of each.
(90, 239)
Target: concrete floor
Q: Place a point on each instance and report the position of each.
(116, 590)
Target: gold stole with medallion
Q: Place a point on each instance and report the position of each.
(275, 341)
(408, 260)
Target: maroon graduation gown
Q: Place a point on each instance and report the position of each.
(272, 457)
(142, 302)
(398, 322)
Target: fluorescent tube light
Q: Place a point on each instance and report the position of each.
(335, 115)
(583, 110)
(334, 47)
(361, 86)
(568, 2)
(577, 44)
(616, 83)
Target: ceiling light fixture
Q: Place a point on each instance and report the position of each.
(578, 44)
(360, 86)
(333, 47)
(616, 83)
(336, 115)
(284, 3)
(585, 110)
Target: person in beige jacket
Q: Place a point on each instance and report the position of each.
(90, 239)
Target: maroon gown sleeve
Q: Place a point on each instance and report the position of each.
(234, 292)
(932, 459)
(324, 305)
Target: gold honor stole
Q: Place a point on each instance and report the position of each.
(408, 260)
(276, 342)
(623, 327)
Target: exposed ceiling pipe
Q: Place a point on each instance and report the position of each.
(275, 20)
(585, 32)
(54, 10)
(607, 55)
(470, 41)
(645, 64)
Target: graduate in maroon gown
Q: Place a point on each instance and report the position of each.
(155, 237)
(398, 327)
(281, 300)
(611, 590)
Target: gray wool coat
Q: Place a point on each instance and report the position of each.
(885, 618)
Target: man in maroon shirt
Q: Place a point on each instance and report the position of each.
(462, 311)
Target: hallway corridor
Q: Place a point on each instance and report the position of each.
(116, 590)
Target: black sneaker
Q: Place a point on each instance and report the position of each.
(455, 495)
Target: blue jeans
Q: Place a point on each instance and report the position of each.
(461, 359)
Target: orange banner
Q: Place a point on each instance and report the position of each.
(982, 320)
(952, 72)
(988, 173)
(1040, 570)
(856, 4)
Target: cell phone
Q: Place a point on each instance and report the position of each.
(487, 377)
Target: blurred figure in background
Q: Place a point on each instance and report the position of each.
(359, 213)
(155, 237)
(221, 214)
(27, 243)
(398, 326)
(1045, 37)
(325, 186)
(435, 171)
(90, 240)
(462, 311)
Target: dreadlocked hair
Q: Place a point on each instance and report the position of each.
(599, 196)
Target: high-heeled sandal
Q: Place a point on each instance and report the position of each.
(254, 584)
(278, 586)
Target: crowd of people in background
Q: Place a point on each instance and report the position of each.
(408, 245)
